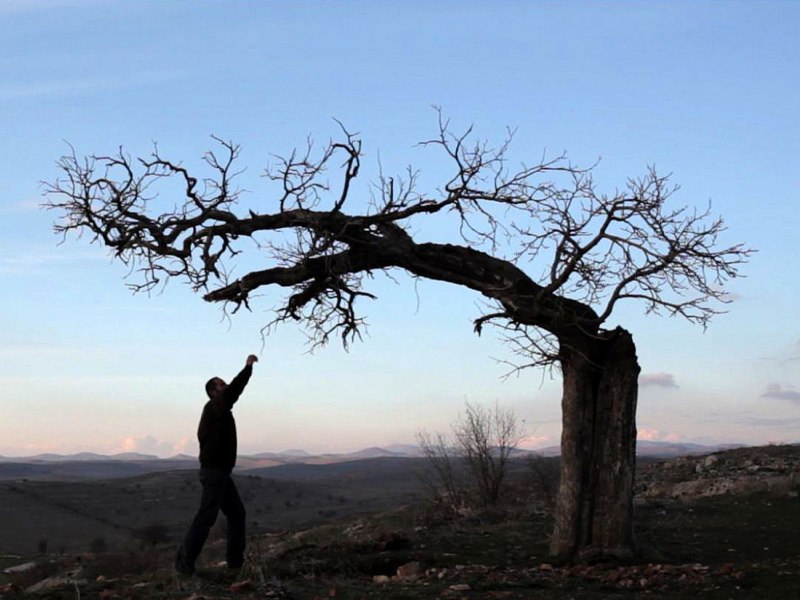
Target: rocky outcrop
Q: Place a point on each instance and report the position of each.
(768, 469)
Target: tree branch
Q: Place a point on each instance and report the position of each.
(597, 250)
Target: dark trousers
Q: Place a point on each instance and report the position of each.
(219, 494)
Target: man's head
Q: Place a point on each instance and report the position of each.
(215, 386)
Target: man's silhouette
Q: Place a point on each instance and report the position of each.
(217, 436)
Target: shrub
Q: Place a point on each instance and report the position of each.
(481, 444)
(152, 534)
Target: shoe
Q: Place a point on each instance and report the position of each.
(182, 567)
(184, 570)
(234, 562)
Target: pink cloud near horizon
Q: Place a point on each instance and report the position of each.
(533, 442)
(654, 435)
(148, 444)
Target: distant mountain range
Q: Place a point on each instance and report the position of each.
(80, 457)
(649, 449)
(644, 448)
(90, 466)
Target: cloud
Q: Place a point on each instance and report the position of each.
(731, 297)
(781, 423)
(8, 7)
(28, 205)
(664, 380)
(776, 391)
(726, 296)
(654, 435)
(35, 259)
(149, 444)
(532, 442)
(795, 354)
(71, 86)
(788, 354)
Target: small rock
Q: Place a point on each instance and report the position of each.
(381, 579)
(241, 586)
(20, 568)
(409, 570)
(545, 567)
(459, 587)
(52, 583)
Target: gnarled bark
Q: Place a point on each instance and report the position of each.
(594, 508)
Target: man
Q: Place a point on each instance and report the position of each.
(217, 436)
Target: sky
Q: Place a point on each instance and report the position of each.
(707, 91)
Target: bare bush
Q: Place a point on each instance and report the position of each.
(470, 468)
(486, 439)
(440, 478)
(543, 478)
(153, 534)
(98, 545)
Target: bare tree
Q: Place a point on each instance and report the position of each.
(486, 439)
(442, 480)
(586, 252)
(483, 440)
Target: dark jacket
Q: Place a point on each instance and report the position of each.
(217, 430)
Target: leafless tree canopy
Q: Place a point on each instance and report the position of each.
(487, 438)
(587, 251)
(484, 439)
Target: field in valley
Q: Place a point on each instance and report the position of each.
(71, 515)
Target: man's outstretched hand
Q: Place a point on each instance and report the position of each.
(251, 359)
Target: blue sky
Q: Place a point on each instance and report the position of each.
(705, 90)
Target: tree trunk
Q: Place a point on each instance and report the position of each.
(594, 508)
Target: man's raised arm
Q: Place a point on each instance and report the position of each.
(236, 387)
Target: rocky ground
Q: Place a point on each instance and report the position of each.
(717, 526)
(766, 469)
